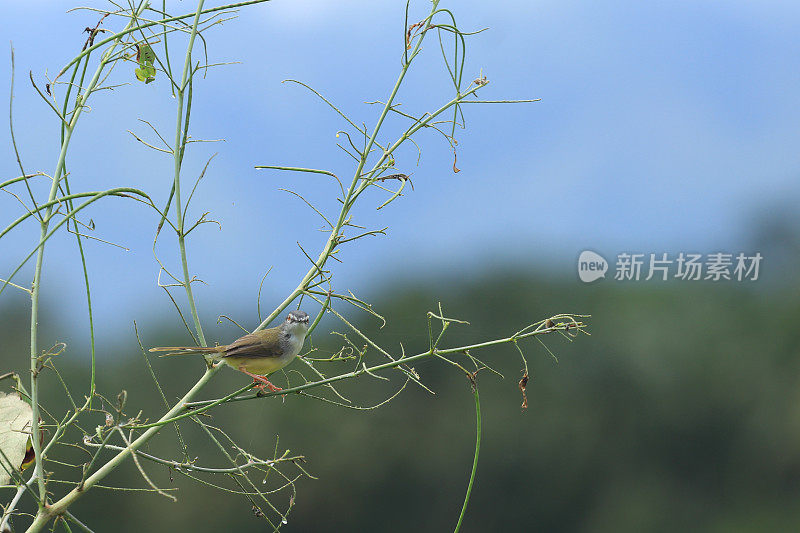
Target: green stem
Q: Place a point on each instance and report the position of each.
(477, 451)
(69, 215)
(118, 191)
(8, 510)
(202, 406)
(191, 467)
(352, 191)
(128, 29)
(70, 206)
(181, 134)
(36, 287)
(60, 506)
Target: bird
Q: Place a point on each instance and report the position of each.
(256, 354)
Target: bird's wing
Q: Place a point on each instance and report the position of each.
(252, 345)
(185, 350)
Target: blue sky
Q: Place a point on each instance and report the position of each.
(662, 126)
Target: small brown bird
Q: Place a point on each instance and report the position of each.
(256, 354)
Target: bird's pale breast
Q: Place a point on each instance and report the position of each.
(257, 365)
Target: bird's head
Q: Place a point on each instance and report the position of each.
(297, 322)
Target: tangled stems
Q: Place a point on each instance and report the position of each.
(571, 326)
(37, 277)
(375, 160)
(355, 189)
(185, 408)
(59, 507)
(352, 193)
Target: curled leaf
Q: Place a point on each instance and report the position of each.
(145, 54)
(145, 57)
(523, 385)
(30, 455)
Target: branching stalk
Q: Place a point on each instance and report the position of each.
(374, 166)
(37, 281)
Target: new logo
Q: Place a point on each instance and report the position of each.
(591, 266)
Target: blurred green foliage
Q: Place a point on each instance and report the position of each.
(680, 412)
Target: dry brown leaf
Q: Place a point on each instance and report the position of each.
(15, 421)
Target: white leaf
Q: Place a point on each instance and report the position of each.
(15, 422)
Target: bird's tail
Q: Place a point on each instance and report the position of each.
(186, 350)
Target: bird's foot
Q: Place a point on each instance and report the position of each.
(261, 382)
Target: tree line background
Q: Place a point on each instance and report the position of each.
(679, 413)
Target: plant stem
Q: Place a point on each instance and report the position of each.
(9, 509)
(352, 191)
(37, 281)
(477, 451)
(60, 506)
(199, 407)
(128, 29)
(181, 131)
